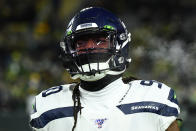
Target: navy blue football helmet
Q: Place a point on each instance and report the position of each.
(95, 62)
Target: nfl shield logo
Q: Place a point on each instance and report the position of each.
(100, 122)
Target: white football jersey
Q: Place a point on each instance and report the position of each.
(140, 105)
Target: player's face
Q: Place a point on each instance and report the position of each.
(92, 44)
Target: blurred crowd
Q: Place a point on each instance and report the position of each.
(163, 46)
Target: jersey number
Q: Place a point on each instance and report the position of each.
(52, 91)
(150, 82)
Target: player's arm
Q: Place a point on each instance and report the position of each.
(173, 126)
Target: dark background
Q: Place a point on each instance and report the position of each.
(162, 48)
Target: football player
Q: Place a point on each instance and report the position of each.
(95, 50)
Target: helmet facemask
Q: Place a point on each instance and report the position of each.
(92, 52)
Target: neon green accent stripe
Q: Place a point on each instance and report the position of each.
(69, 32)
(109, 27)
(175, 96)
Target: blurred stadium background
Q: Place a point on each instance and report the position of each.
(163, 48)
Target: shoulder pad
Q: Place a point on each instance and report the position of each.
(152, 90)
(54, 97)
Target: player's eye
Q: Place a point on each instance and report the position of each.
(81, 43)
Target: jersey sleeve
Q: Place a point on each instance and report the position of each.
(162, 97)
(44, 104)
(171, 109)
(35, 114)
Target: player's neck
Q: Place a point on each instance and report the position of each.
(100, 84)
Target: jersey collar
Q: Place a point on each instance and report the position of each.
(108, 92)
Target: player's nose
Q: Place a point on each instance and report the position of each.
(90, 44)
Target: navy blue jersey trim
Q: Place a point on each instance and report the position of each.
(148, 106)
(50, 115)
(172, 96)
